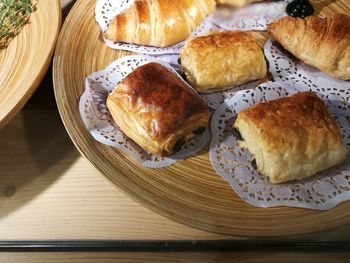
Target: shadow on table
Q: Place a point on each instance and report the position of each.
(67, 6)
(35, 150)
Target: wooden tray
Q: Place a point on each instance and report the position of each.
(189, 192)
(24, 62)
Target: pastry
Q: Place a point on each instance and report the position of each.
(156, 109)
(292, 137)
(158, 23)
(221, 60)
(237, 3)
(323, 43)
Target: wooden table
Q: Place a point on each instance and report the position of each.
(48, 191)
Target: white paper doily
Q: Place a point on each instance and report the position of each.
(322, 191)
(99, 122)
(215, 99)
(252, 17)
(255, 16)
(284, 67)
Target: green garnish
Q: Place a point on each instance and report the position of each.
(13, 15)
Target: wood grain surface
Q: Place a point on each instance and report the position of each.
(189, 191)
(49, 192)
(206, 257)
(23, 64)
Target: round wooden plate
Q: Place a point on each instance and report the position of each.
(189, 191)
(25, 61)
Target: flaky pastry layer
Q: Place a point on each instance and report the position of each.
(156, 109)
(292, 137)
(158, 23)
(222, 59)
(323, 43)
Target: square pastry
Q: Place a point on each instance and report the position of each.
(292, 137)
(156, 109)
(220, 60)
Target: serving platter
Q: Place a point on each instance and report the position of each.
(25, 61)
(189, 191)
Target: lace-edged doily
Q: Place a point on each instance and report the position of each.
(215, 99)
(322, 191)
(252, 17)
(284, 67)
(101, 125)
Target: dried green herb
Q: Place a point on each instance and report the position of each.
(13, 15)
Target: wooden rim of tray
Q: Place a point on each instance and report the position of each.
(189, 191)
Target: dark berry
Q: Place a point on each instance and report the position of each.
(300, 8)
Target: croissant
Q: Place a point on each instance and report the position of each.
(323, 43)
(158, 23)
(237, 3)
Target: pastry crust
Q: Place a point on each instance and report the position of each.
(155, 108)
(158, 23)
(323, 43)
(237, 3)
(291, 138)
(222, 59)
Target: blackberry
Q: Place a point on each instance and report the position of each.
(300, 8)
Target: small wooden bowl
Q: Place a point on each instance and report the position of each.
(24, 63)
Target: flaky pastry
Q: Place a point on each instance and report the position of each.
(156, 109)
(292, 137)
(323, 43)
(158, 23)
(222, 59)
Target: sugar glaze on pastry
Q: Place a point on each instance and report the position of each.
(323, 43)
(221, 60)
(156, 109)
(292, 137)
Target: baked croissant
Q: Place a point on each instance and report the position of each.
(237, 3)
(320, 42)
(158, 23)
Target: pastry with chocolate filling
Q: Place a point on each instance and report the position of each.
(156, 109)
(292, 137)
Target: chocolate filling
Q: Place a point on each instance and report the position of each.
(237, 134)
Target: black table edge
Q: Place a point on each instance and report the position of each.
(166, 246)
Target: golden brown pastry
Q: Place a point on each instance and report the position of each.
(155, 108)
(158, 23)
(222, 59)
(237, 3)
(320, 42)
(291, 138)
